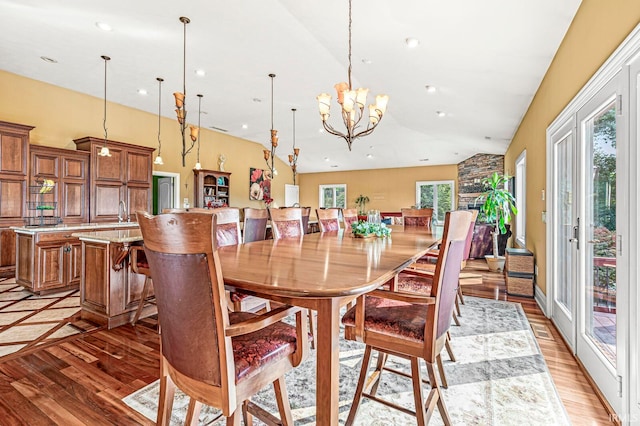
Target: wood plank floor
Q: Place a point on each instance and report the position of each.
(82, 381)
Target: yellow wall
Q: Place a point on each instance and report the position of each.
(60, 116)
(388, 189)
(597, 30)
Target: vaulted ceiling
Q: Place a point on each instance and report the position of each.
(485, 60)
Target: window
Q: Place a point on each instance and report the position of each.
(438, 195)
(333, 196)
(520, 187)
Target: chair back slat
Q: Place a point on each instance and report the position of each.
(417, 217)
(328, 219)
(349, 216)
(472, 225)
(286, 223)
(255, 224)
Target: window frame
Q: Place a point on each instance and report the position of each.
(521, 198)
(435, 183)
(335, 186)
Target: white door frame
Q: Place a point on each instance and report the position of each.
(176, 185)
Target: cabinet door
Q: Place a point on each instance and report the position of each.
(12, 154)
(73, 201)
(51, 266)
(73, 267)
(44, 165)
(12, 204)
(138, 168)
(7, 247)
(105, 201)
(109, 169)
(138, 199)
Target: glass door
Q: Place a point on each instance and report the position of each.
(599, 333)
(438, 195)
(565, 228)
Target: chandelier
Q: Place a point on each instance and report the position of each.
(104, 151)
(181, 110)
(269, 155)
(352, 103)
(293, 158)
(158, 159)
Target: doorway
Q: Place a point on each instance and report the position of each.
(166, 194)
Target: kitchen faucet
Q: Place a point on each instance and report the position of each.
(122, 212)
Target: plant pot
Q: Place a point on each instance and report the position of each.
(362, 217)
(496, 264)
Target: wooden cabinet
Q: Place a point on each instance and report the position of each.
(48, 261)
(14, 154)
(125, 176)
(69, 170)
(211, 188)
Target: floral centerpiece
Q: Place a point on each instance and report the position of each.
(364, 229)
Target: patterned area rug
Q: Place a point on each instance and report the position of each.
(499, 378)
(29, 321)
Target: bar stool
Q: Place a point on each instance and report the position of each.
(139, 265)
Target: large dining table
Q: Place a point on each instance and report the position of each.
(322, 272)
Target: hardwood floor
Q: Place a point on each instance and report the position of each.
(82, 381)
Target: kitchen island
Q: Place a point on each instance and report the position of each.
(109, 289)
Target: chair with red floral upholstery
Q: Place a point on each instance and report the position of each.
(328, 219)
(417, 217)
(411, 326)
(216, 357)
(286, 223)
(349, 216)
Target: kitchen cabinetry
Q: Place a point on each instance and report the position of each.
(211, 188)
(69, 171)
(14, 155)
(125, 176)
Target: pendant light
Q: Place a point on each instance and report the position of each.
(195, 134)
(158, 159)
(269, 156)
(104, 151)
(293, 158)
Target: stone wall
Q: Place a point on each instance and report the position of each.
(472, 171)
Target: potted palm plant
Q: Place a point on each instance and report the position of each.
(361, 202)
(498, 205)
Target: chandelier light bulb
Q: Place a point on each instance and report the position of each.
(158, 161)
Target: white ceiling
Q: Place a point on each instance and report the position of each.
(486, 59)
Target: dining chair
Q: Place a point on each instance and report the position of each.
(286, 223)
(410, 326)
(417, 217)
(306, 211)
(328, 219)
(216, 357)
(349, 216)
(255, 224)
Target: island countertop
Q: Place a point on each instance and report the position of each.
(80, 227)
(113, 236)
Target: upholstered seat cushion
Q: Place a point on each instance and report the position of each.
(391, 317)
(288, 228)
(254, 351)
(414, 284)
(330, 225)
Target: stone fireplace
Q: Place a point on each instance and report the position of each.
(471, 172)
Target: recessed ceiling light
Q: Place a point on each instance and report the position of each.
(48, 59)
(256, 100)
(103, 26)
(441, 113)
(334, 165)
(412, 42)
(200, 73)
(326, 158)
(142, 92)
(423, 159)
(430, 89)
(367, 61)
(369, 156)
(245, 126)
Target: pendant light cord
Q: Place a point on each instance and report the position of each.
(199, 105)
(294, 128)
(160, 80)
(349, 70)
(104, 121)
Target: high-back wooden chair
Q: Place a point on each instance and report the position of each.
(215, 357)
(255, 224)
(348, 217)
(411, 326)
(306, 212)
(417, 217)
(328, 219)
(286, 223)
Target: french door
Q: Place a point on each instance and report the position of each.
(588, 271)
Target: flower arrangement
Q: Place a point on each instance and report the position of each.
(363, 229)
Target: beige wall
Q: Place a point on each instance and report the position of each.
(597, 30)
(388, 189)
(60, 115)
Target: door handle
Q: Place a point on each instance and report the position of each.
(574, 239)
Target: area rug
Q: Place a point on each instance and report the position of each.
(499, 378)
(29, 321)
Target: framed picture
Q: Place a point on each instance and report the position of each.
(259, 184)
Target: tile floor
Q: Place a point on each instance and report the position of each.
(28, 320)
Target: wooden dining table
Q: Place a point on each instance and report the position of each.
(322, 272)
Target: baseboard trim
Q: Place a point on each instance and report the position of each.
(541, 300)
